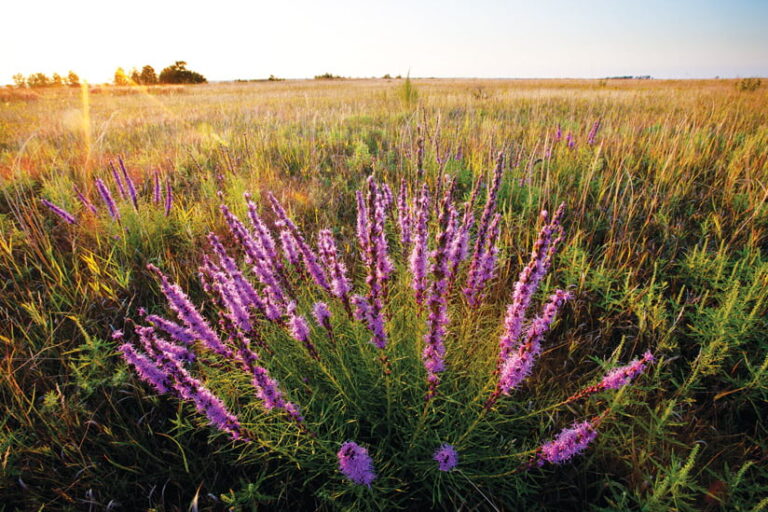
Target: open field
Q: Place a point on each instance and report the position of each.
(664, 249)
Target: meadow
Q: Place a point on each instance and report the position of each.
(664, 234)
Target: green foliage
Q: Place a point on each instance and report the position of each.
(408, 93)
(72, 79)
(19, 80)
(38, 80)
(148, 75)
(179, 74)
(120, 77)
(667, 229)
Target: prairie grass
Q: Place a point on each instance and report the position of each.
(665, 250)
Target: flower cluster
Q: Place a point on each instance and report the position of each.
(447, 458)
(250, 282)
(126, 189)
(356, 464)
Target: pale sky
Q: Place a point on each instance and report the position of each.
(226, 39)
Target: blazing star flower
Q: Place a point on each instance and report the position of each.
(168, 196)
(418, 258)
(307, 254)
(118, 180)
(593, 132)
(476, 272)
(322, 315)
(518, 364)
(146, 369)
(433, 355)
(106, 196)
(356, 464)
(567, 444)
(84, 200)
(404, 219)
(337, 271)
(528, 282)
(620, 377)
(297, 324)
(156, 191)
(188, 313)
(617, 378)
(129, 182)
(61, 212)
(446, 457)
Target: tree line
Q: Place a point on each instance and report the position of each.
(177, 73)
(43, 80)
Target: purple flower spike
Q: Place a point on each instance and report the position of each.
(620, 377)
(568, 443)
(186, 311)
(480, 257)
(528, 282)
(404, 216)
(433, 355)
(518, 364)
(156, 190)
(356, 464)
(593, 132)
(147, 370)
(177, 332)
(168, 196)
(84, 200)
(263, 236)
(106, 196)
(61, 212)
(300, 330)
(418, 257)
(570, 140)
(322, 315)
(118, 180)
(129, 182)
(334, 266)
(307, 254)
(446, 457)
(290, 248)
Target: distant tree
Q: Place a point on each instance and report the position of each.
(19, 80)
(38, 80)
(72, 79)
(56, 80)
(148, 76)
(179, 74)
(120, 77)
(387, 76)
(135, 78)
(328, 76)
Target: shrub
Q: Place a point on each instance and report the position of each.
(748, 84)
(408, 92)
(375, 392)
(179, 74)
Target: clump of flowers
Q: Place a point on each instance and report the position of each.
(447, 458)
(356, 464)
(126, 189)
(412, 250)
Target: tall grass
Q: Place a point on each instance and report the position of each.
(665, 250)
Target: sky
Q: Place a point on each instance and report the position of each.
(227, 39)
